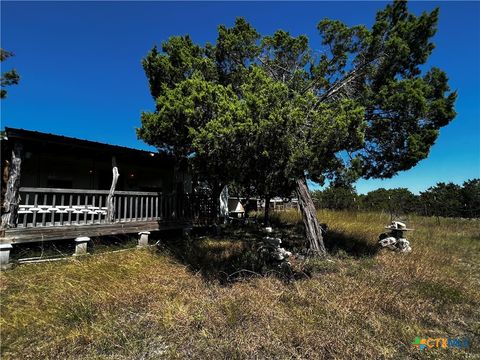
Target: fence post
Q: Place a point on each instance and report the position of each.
(111, 194)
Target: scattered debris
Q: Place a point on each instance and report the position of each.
(272, 252)
(394, 240)
(278, 252)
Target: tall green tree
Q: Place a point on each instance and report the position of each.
(270, 113)
(443, 199)
(10, 77)
(397, 202)
(336, 198)
(471, 198)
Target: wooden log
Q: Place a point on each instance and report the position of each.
(12, 194)
(111, 194)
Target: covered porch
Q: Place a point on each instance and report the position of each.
(52, 214)
(56, 188)
(48, 214)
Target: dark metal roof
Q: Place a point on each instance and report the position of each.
(37, 136)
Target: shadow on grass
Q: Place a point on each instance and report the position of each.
(234, 256)
(66, 248)
(228, 257)
(224, 260)
(338, 243)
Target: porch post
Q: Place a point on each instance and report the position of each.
(111, 194)
(12, 196)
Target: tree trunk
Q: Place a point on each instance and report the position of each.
(5, 176)
(266, 218)
(12, 196)
(313, 231)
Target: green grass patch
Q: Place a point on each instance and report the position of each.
(440, 292)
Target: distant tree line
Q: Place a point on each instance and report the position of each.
(443, 199)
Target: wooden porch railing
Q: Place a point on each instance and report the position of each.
(47, 207)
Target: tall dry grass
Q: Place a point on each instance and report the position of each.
(358, 304)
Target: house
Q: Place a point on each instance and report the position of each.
(53, 161)
(279, 204)
(57, 187)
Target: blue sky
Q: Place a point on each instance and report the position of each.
(81, 74)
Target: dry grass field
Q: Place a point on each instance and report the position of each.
(189, 299)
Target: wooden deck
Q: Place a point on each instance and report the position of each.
(24, 235)
(46, 214)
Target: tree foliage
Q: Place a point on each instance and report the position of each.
(367, 99)
(395, 201)
(471, 198)
(336, 198)
(10, 77)
(265, 111)
(451, 200)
